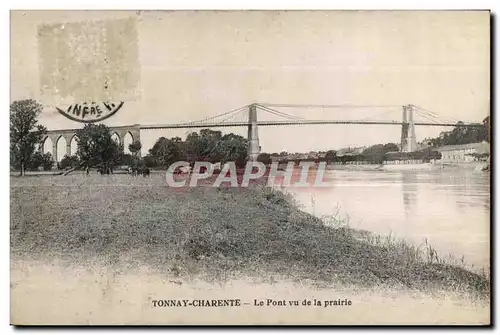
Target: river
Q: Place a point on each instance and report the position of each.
(449, 208)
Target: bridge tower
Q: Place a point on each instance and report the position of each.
(253, 134)
(412, 139)
(408, 138)
(404, 131)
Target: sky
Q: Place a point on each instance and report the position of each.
(186, 66)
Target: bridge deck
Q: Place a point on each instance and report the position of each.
(273, 123)
(291, 123)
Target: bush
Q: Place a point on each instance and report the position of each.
(40, 160)
(149, 161)
(264, 158)
(128, 160)
(69, 162)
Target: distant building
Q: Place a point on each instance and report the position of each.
(463, 152)
(350, 151)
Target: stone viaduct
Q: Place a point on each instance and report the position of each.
(69, 135)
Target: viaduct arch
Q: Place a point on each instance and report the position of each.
(118, 133)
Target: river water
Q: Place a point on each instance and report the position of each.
(450, 208)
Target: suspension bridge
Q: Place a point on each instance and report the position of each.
(228, 119)
(266, 114)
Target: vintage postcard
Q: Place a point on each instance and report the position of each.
(250, 167)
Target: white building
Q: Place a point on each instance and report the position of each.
(463, 152)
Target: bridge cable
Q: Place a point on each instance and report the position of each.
(234, 112)
(281, 114)
(441, 119)
(278, 113)
(232, 116)
(428, 117)
(237, 110)
(343, 106)
(435, 115)
(434, 118)
(298, 118)
(327, 106)
(374, 116)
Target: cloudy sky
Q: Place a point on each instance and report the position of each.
(193, 65)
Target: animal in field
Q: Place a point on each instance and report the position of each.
(145, 172)
(104, 170)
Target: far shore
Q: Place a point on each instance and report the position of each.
(282, 166)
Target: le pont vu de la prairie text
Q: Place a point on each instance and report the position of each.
(254, 302)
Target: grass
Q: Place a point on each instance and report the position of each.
(215, 234)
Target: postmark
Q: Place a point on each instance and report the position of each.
(89, 112)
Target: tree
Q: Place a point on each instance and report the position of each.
(391, 147)
(464, 135)
(486, 123)
(203, 146)
(376, 153)
(165, 152)
(135, 147)
(127, 159)
(38, 159)
(207, 145)
(149, 161)
(264, 158)
(331, 156)
(231, 148)
(25, 132)
(97, 148)
(69, 162)
(47, 161)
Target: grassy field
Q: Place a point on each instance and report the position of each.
(214, 234)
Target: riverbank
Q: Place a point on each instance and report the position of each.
(478, 166)
(212, 234)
